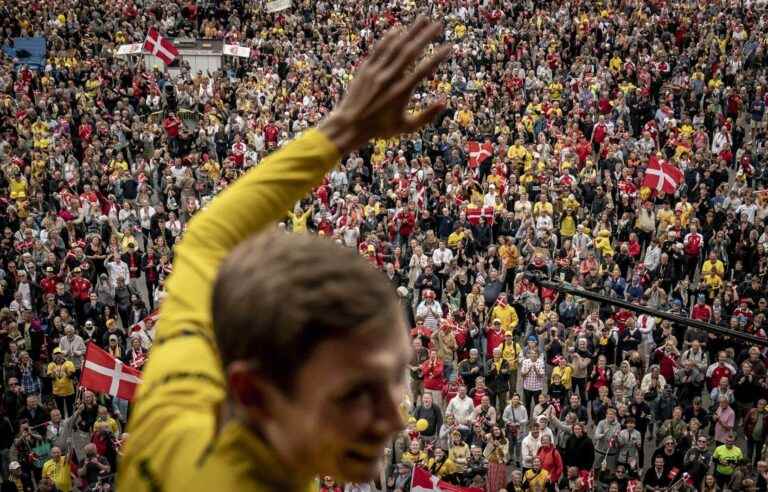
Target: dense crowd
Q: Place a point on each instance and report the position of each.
(512, 387)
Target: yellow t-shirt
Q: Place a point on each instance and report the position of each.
(537, 481)
(455, 238)
(555, 90)
(715, 267)
(299, 222)
(566, 375)
(111, 423)
(18, 188)
(666, 217)
(174, 443)
(62, 378)
(508, 316)
(59, 472)
(511, 353)
(543, 208)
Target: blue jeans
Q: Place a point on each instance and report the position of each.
(448, 370)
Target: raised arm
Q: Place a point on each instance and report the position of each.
(175, 415)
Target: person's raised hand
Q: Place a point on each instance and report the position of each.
(376, 102)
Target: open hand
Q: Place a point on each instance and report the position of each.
(377, 99)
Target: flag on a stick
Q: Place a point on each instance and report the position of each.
(104, 373)
(161, 47)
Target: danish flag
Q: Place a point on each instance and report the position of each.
(661, 176)
(147, 323)
(474, 214)
(478, 152)
(161, 47)
(423, 481)
(106, 374)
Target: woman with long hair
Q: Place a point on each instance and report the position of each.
(709, 484)
(136, 356)
(550, 458)
(441, 465)
(497, 452)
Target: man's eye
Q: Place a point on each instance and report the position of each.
(356, 394)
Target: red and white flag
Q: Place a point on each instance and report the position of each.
(422, 481)
(478, 152)
(161, 47)
(474, 214)
(106, 374)
(662, 176)
(147, 323)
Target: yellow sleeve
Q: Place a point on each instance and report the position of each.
(253, 202)
(174, 415)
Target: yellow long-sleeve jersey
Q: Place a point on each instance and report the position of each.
(174, 442)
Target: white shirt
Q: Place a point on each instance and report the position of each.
(350, 236)
(749, 210)
(646, 324)
(529, 449)
(145, 216)
(652, 257)
(117, 269)
(442, 256)
(462, 409)
(489, 200)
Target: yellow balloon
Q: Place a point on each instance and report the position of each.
(421, 425)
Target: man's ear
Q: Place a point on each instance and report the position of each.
(249, 390)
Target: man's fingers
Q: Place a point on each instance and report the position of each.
(411, 50)
(416, 121)
(423, 70)
(383, 46)
(396, 47)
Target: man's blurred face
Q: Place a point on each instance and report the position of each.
(339, 427)
(427, 400)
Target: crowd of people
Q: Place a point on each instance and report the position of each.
(512, 386)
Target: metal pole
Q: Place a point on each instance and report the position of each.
(593, 296)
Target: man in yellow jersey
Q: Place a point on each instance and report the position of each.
(244, 391)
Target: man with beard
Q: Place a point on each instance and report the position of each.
(606, 435)
(432, 414)
(655, 478)
(670, 454)
(497, 378)
(698, 459)
(94, 310)
(470, 368)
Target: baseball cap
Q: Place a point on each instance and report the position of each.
(14, 465)
(57, 350)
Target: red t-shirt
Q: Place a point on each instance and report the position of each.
(718, 374)
(433, 375)
(172, 126)
(494, 338)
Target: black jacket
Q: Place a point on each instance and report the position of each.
(433, 416)
(579, 452)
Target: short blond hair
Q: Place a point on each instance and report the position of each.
(277, 296)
